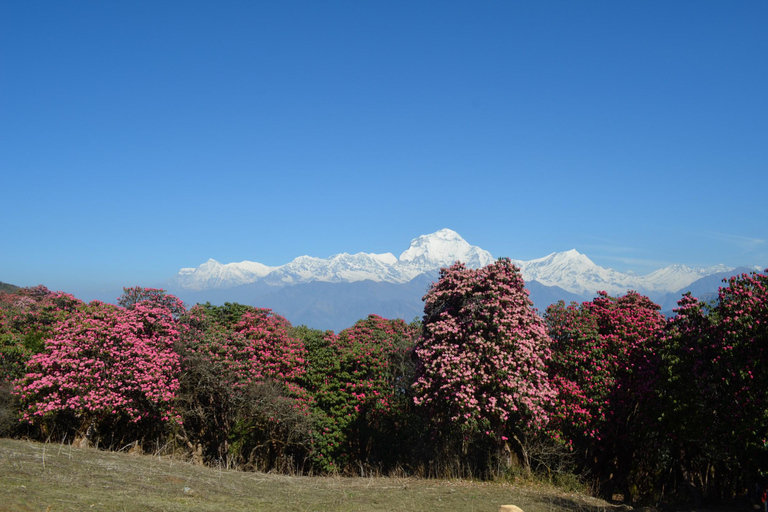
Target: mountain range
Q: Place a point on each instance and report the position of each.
(332, 293)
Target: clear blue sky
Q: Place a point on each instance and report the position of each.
(140, 137)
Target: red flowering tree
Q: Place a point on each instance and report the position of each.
(604, 369)
(714, 390)
(481, 360)
(104, 368)
(361, 382)
(242, 396)
(256, 346)
(27, 316)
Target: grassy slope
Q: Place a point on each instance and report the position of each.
(52, 477)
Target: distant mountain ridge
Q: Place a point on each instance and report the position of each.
(426, 253)
(8, 288)
(569, 270)
(334, 292)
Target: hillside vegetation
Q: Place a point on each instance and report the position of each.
(7, 288)
(607, 394)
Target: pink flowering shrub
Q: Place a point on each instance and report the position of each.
(360, 383)
(599, 348)
(257, 347)
(104, 365)
(481, 360)
(27, 317)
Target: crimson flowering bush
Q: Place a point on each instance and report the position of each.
(604, 364)
(255, 347)
(481, 359)
(104, 364)
(714, 390)
(243, 398)
(361, 384)
(601, 350)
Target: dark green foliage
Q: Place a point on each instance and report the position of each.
(229, 314)
(240, 405)
(9, 410)
(360, 382)
(8, 288)
(713, 391)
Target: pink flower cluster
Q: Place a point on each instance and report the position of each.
(105, 360)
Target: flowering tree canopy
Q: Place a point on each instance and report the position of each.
(714, 394)
(604, 367)
(27, 317)
(249, 345)
(481, 360)
(362, 382)
(137, 294)
(599, 360)
(103, 361)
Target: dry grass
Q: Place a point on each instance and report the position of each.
(52, 477)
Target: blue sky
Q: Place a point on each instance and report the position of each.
(137, 138)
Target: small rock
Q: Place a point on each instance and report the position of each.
(188, 490)
(510, 508)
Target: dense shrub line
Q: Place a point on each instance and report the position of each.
(607, 391)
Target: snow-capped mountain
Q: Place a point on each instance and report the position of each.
(676, 277)
(426, 253)
(340, 268)
(569, 270)
(441, 249)
(577, 274)
(334, 292)
(213, 274)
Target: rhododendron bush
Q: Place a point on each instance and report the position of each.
(361, 383)
(242, 397)
(603, 367)
(714, 394)
(156, 296)
(481, 360)
(104, 365)
(600, 350)
(255, 347)
(27, 317)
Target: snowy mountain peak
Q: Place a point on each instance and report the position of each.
(576, 273)
(213, 274)
(443, 248)
(676, 277)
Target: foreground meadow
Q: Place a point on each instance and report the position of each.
(59, 477)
